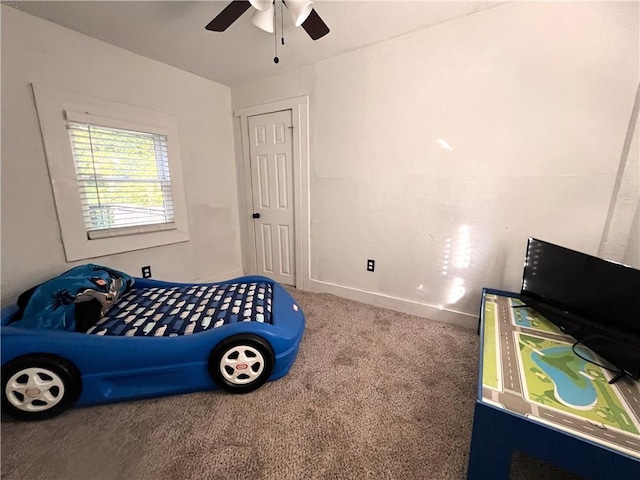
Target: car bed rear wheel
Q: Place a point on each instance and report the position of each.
(241, 363)
(37, 387)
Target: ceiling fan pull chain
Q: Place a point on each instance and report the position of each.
(275, 34)
(282, 20)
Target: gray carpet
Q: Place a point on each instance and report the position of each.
(374, 394)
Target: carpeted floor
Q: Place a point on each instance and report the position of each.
(374, 394)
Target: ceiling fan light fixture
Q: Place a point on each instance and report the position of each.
(261, 5)
(263, 19)
(300, 10)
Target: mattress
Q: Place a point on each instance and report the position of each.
(185, 310)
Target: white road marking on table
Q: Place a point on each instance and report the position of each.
(608, 435)
(587, 428)
(631, 443)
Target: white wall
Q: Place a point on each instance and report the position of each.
(632, 252)
(632, 255)
(533, 101)
(620, 235)
(34, 50)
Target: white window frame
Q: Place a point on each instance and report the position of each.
(54, 106)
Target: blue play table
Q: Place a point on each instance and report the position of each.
(536, 396)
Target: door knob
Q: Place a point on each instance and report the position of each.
(256, 215)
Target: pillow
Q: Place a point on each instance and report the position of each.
(74, 300)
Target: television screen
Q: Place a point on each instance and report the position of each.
(594, 300)
(586, 286)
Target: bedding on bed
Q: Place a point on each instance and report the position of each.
(184, 310)
(74, 300)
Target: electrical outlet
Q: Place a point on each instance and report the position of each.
(146, 272)
(371, 265)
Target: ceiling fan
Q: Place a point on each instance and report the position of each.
(302, 13)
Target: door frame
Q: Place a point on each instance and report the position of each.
(299, 107)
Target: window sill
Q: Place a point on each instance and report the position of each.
(98, 247)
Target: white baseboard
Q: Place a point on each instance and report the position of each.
(398, 304)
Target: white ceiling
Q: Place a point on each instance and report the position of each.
(174, 33)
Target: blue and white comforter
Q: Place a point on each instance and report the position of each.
(184, 310)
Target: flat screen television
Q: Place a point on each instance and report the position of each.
(594, 300)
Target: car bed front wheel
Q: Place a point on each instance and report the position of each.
(36, 387)
(241, 363)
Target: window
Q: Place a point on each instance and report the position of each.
(115, 172)
(123, 179)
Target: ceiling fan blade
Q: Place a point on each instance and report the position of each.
(314, 26)
(230, 14)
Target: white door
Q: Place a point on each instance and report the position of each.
(270, 147)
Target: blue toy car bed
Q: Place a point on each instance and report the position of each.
(127, 338)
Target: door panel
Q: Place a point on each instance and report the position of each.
(272, 191)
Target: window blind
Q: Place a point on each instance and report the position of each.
(123, 179)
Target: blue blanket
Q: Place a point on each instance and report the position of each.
(82, 294)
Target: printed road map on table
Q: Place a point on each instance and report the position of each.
(529, 368)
